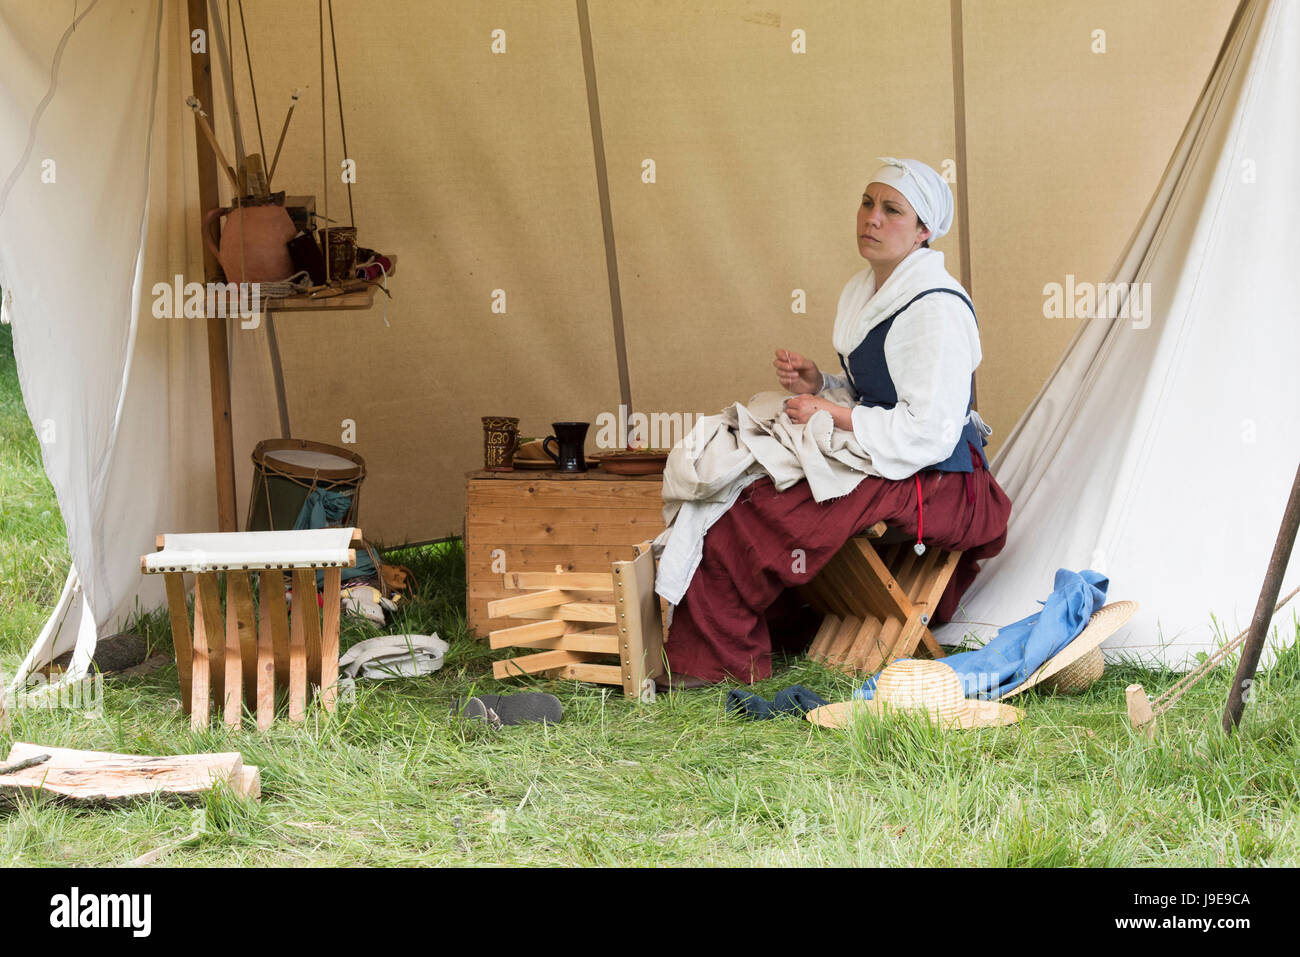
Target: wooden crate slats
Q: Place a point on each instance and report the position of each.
(596, 674)
(530, 634)
(568, 638)
(640, 628)
(535, 522)
(545, 494)
(574, 514)
(573, 611)
(541, 661)
(582, 581)
(526, 531)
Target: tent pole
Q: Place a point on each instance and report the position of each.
(223, 442)
(1264, 610)
(606, 209)
(956, 28)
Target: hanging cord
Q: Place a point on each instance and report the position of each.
(919, 547)
(248, 58)
(338, 86)
(324, 162)
(1167, 700)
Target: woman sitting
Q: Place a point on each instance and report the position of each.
(908, 345)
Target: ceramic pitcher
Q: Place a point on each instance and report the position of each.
(262, 231)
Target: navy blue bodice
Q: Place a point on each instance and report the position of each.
(872, 385)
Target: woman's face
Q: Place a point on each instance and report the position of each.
(888, 228)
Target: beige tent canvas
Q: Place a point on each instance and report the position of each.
(1162, 449)
(733, 141)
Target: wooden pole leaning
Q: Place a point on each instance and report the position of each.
(1254, 647)
(236, 660)
(223, 443)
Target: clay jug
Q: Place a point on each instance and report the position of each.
(262, 231)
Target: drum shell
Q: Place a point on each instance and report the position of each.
(280, 488)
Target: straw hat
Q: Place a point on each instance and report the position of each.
(923, 687)
(1103, 623)
(1078, 677)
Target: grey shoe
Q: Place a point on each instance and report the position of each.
(475, 709)
(518, 708)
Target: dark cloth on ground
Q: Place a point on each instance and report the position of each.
(770, 541)
(796, 700)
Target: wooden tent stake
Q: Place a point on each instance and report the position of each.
(1267, 596)
(1143, 715)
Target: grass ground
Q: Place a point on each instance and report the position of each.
(393, 779)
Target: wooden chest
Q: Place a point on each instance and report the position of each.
(532, 521)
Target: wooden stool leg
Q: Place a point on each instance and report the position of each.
(329, 646)
(181, 638)
(239, 610)
(272, 591)
(209, 649)
(265, 680)
(232, 701)
(298, 649)
(304, 581)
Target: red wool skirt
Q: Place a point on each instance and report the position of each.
(720, 631)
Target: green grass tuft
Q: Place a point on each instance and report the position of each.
(395, 779)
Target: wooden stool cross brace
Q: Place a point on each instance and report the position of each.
(878, 598)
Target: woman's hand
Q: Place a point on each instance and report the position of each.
(797, 374)
(802, 407)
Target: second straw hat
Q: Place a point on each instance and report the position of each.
(913, 686)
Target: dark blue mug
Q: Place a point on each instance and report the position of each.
(570, 438)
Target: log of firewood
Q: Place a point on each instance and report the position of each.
(104, 778)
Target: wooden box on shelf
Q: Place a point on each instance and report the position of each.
(533, 521)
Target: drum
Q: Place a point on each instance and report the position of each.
(286, 471)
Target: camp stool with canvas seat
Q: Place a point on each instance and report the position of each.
(583, 620)
(878, 596)
(252, 652)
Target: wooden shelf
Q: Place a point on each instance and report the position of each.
(360, 299)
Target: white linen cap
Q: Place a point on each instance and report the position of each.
(923, 188)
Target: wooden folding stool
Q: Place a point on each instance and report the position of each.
(584, 619)
(878, 596)
(254, 651)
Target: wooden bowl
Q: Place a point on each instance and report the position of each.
(634, 461)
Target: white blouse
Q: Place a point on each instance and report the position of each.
(932, 350)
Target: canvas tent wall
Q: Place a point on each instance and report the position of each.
(476, 166)
(1162, 450)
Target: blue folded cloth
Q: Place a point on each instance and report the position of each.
(796, 700)
(1019, 649)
